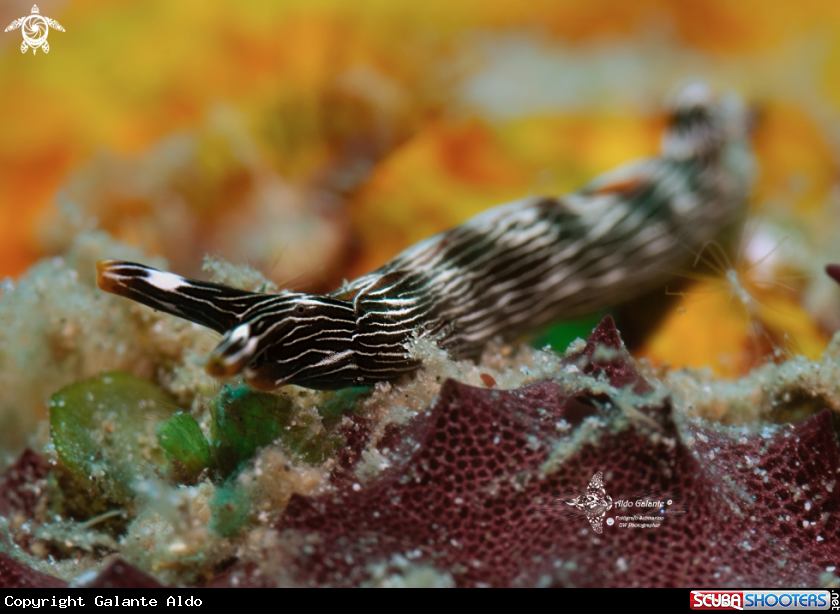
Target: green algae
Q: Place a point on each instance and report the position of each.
(244, 420)
(560, 335)
(342, 401)
(231, 509)
(103, 430)
(116, 433)
(186, 448)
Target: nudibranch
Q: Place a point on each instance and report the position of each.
(507, 270)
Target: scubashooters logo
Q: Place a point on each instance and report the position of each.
(761, 600)
(35, 28)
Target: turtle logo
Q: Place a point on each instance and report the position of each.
(35, 30)
(594, 502)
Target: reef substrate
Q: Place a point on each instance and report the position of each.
(477, 490)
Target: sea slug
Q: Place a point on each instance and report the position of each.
(507, 270)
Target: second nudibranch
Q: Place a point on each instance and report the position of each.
(503, 272)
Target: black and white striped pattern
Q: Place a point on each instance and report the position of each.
(503, 272)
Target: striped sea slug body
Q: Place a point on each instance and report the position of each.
(503, 272)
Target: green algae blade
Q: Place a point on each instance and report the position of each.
(560, 335)
(103, 430)
(342, 401)
(185, 447)
(244, 420)
(230, 507)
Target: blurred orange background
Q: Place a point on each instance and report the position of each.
(379, 123)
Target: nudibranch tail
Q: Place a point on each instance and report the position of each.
(215, 306)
